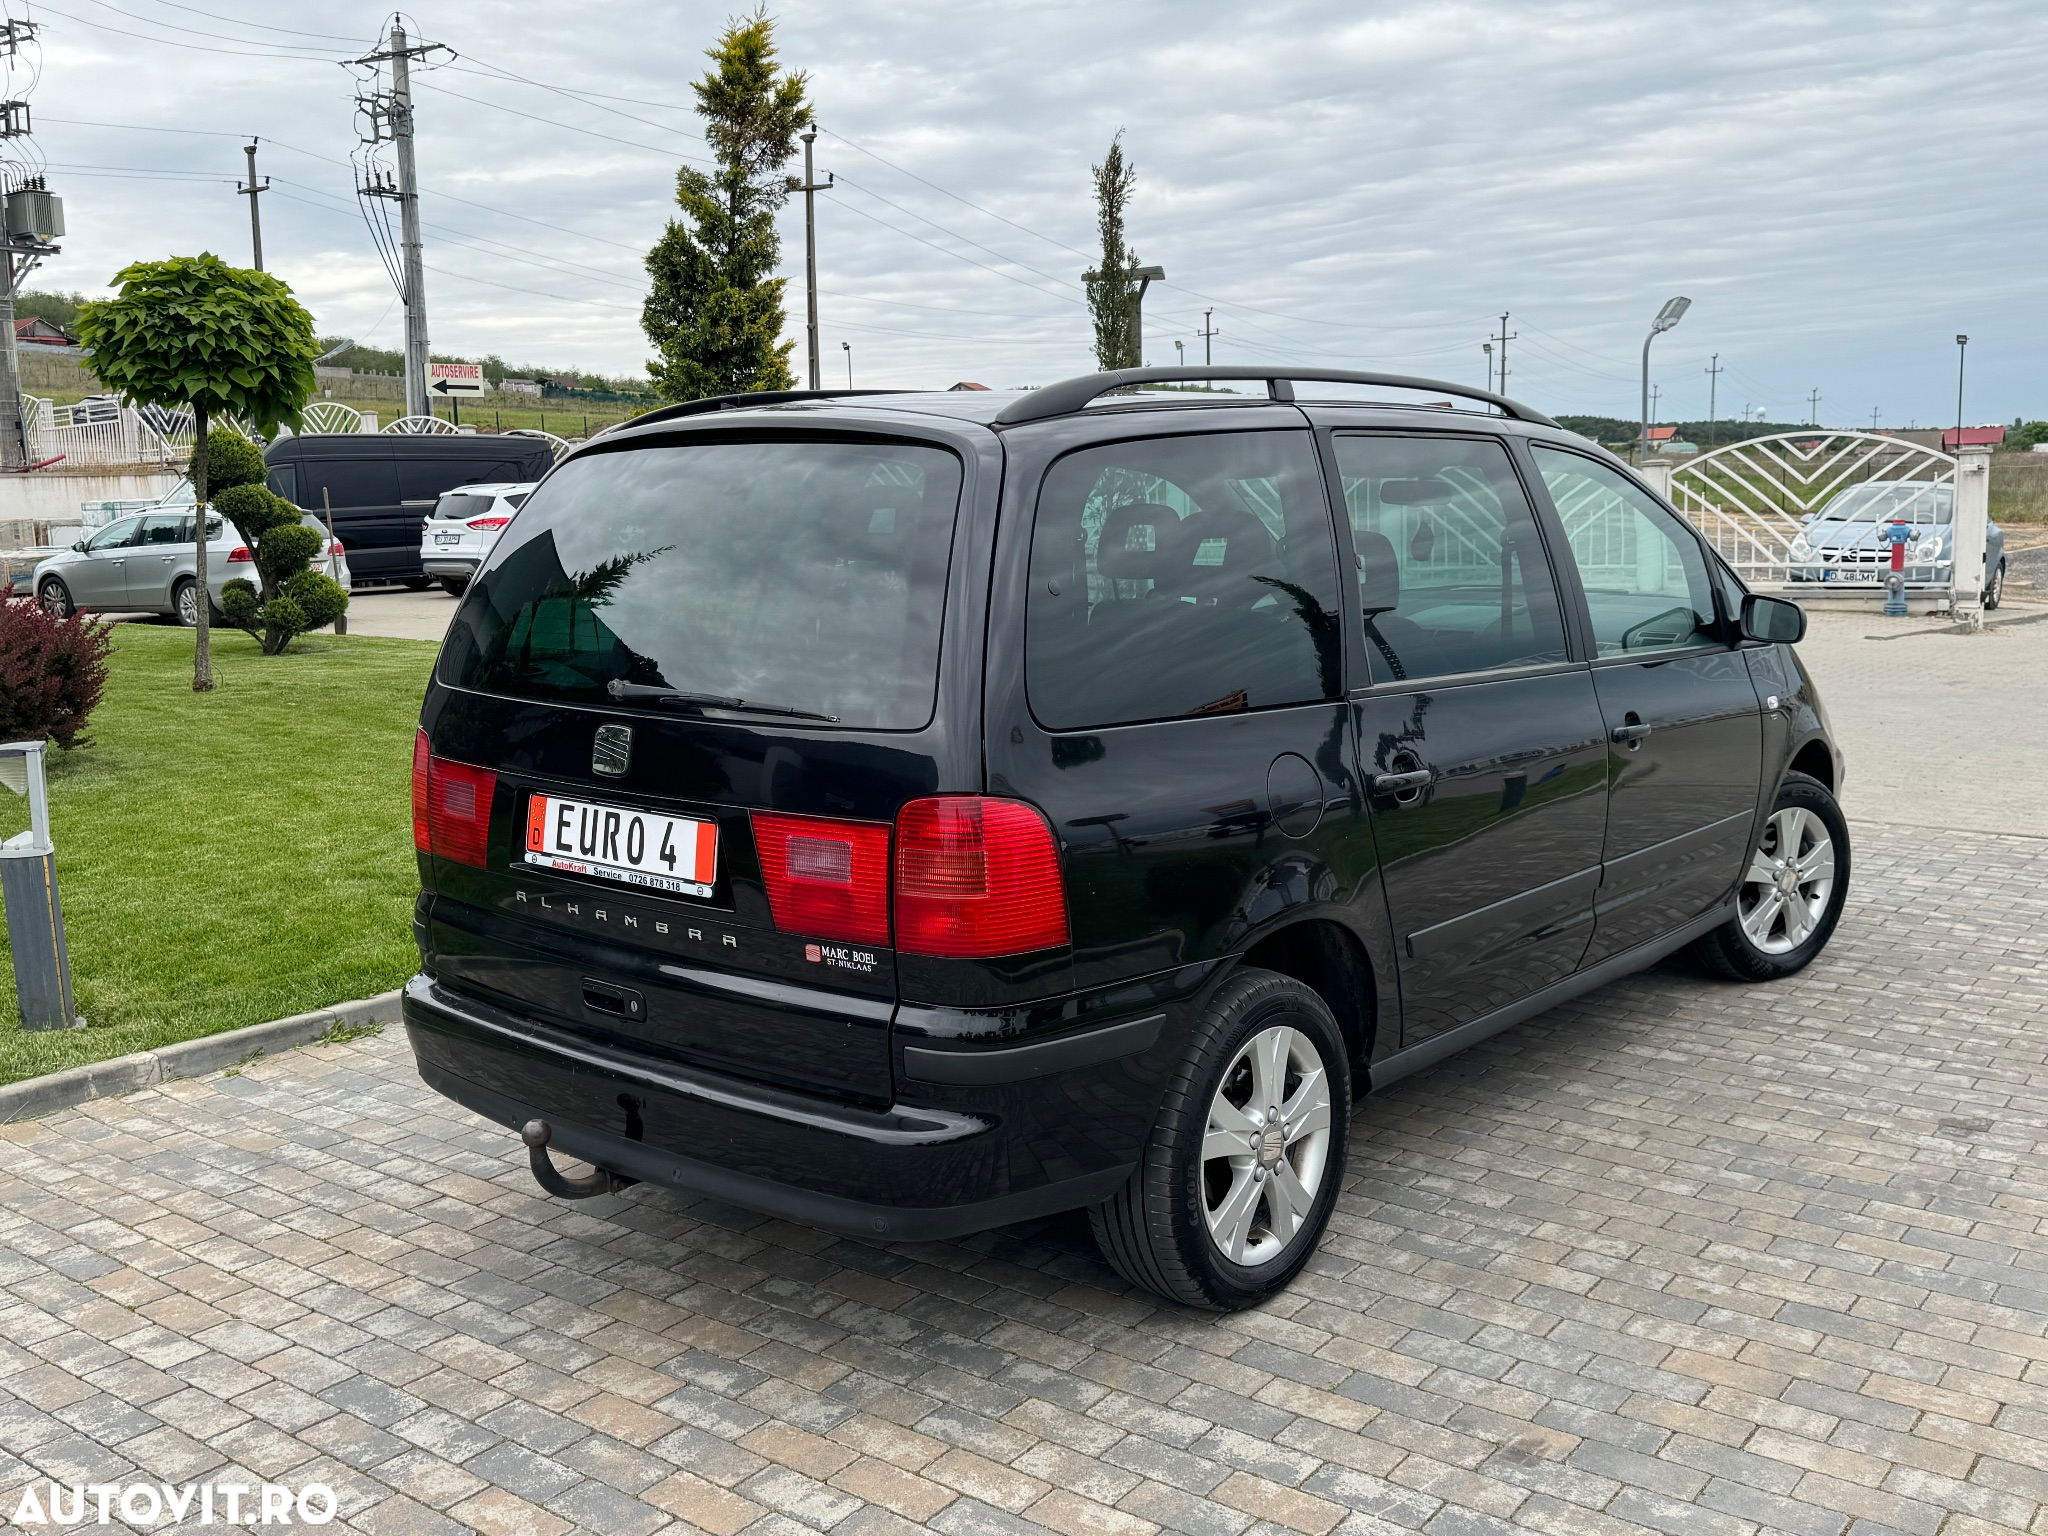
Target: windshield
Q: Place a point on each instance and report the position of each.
(1884, 503)
(799, 574)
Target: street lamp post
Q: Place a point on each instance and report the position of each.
(847, 348)
(1962, 351)
(1487, 348)
(1672, 312)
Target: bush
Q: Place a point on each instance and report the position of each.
(292, 599)
(51, 672)
(231, 460)
(320, 597)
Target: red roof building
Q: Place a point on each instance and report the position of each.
(1972, 437)
(43, 333)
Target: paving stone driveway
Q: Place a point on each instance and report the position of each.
(1684, 1257)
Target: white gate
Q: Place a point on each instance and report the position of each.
(1760, 503)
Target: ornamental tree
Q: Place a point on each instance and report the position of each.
(714, 305)
(193, 333)
(292, 599)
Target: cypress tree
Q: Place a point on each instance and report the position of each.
(714, 312)
(1112, 291)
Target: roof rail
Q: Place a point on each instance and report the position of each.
(712, 403)
(1070, 395)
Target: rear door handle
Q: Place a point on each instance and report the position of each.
(1628, 735)
(1401, 783)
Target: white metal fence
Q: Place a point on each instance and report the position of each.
(1757, 501)
(103, 431)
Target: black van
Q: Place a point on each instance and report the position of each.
(910, 814)
(380, 486)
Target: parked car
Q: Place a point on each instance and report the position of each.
(1845, 541)
(462, 528)
(913, 814)
(381, 485)
(148, 562)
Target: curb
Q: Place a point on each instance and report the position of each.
(36, 1096)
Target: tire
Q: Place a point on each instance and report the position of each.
(1994, 589)
(184, 606)
(455, 586)
(1782, 924)
(1158, 1231)
(417, 583)
(56, 598)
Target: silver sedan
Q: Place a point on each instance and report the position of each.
(148, 563)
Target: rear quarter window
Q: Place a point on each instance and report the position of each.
(1182, 576)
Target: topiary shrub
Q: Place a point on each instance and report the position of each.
(52, 672)
(292, 598)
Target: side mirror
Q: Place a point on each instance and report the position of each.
(1772, 619)
(79, 547)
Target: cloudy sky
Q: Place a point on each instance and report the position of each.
(1840, 189)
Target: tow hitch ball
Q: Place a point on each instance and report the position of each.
(599, 1181)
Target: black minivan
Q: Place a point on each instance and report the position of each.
(380, 486)
(913, 813)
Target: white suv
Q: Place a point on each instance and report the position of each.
(464, 525)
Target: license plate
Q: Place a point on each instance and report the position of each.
(611, 842)
(1829, 573)
(447, 538)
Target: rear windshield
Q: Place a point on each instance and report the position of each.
(802, 575)
(454, 506)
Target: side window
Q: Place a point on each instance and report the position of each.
(284, 481)
(1645, 576)
(1451, 571)
(166, 528)
(1178, 576)
(116, 535)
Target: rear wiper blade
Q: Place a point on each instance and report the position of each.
(619, 688)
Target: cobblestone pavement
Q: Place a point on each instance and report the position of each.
(1682, 1257)
(1940, 730)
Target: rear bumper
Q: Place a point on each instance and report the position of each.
(437, 564)
(911, 1172)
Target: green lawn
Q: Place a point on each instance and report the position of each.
(229, 858)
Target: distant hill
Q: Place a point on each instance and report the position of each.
(1617, 434)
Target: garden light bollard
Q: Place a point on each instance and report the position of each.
(1896, 534)
(28, 885)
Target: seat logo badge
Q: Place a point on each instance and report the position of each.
(612, 750)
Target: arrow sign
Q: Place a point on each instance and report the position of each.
(455, 378)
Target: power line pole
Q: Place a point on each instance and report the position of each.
(1714, 372)
(810, 186)
(1501, 368)
(1207, 333)
(390, 117)
(1813, 408)
(30, 219)
(253, 191)
(1656, 394)
(1873, 418)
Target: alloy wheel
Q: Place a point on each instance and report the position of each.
(188, 604)
(1790, 877)
(56, 601)
(1266, 1149)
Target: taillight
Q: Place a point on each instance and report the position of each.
(421, 755)
(977, 878)
(826, 879)
(337, 550)
(451, 806)
(240, 555)
(481, 523)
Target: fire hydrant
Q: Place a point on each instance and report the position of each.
(1898, 534)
